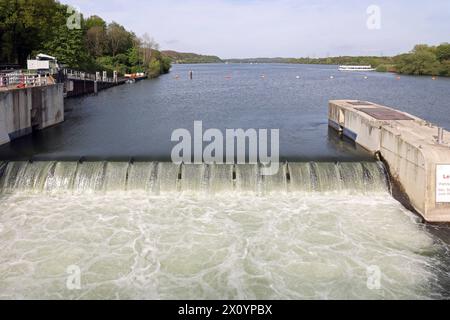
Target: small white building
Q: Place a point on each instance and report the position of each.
(44, 63)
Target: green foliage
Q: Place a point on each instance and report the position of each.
(445, 68)
(382, 68)
(166, 64)
(28, 27)
(180, 57)
(443, 52)
(25, 25)
(154, 68)
(105, 63)
(68, 46)
(159, 64)
(423, 60)
(95, 21)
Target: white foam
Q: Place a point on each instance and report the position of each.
(227, 246)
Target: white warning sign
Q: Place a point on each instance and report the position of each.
(443, 183)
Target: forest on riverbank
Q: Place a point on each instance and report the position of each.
(89, 44)
(190, 58)
(422, 60)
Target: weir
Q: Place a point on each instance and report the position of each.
(416, 152)
(157, 178)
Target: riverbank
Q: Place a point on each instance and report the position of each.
(422, 60)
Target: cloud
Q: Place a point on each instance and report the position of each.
(172, 42)
(248, 28)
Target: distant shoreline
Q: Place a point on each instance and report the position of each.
(423, 60)
(305, 64)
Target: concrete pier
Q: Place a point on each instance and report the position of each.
(77, 87)
(417, 153)
(28, 109)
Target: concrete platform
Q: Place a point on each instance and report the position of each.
(409, 146)
(28, 109)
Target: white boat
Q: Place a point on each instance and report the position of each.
(356, 68)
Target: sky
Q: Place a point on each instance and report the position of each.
(280, 28)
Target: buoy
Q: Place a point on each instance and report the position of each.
(434, 78)
(331, 77)
(297, 77)
(366, 77)
(177, 77)
(398, 78)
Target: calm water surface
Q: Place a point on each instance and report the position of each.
(138, 120)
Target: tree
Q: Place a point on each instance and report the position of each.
(421, 61)
(154, 68)
(96, 41)
(28, 27)
(119, 39)
(69, 48)
(95, 21)
(148, 44)
(25, 25)
(443, 52)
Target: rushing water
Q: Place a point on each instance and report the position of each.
(161, 231)
(158, 178)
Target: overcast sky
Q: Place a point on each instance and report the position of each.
(279, 28)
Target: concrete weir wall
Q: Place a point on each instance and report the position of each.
(28, 109)
(410, 147)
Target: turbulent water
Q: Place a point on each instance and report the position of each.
(157, 178)
(160, 231)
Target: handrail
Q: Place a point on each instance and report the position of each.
(80, 75)
(34, 79)
(24, 79)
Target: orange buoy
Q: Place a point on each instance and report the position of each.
(398, 78)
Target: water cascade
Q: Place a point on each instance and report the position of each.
(157, 178)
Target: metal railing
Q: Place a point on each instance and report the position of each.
(80, 75)
(23, 79)
(28, 79)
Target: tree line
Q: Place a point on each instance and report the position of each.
(190, 58)
(29, 27)
(422, 60)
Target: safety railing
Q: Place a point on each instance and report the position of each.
(23, 79)
(80, 75)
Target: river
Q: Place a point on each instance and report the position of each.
(325, 227)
